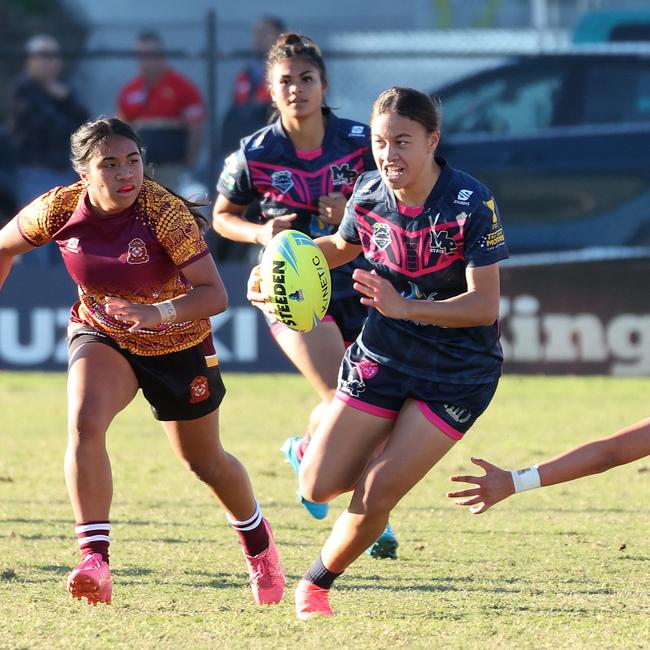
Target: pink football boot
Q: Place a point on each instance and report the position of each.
(312, 601)
(266, 574)
(91, 580)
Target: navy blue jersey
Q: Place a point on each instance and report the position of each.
(268, 167)
(424, 253)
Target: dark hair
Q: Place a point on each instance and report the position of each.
(85, 140)
(295, 46)
(275, 21)
(409, 103)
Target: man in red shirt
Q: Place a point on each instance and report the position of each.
(166, 109)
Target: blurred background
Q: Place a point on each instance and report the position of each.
(546, 101)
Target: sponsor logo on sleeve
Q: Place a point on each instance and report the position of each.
(73, 245)
(495, 237)
(358, 131)
(463, 197)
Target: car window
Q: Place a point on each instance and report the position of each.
(626, 97)
(517, 102)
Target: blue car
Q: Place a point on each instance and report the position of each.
(563, 140)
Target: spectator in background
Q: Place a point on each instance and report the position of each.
(43, 113)
(167, 110)
(251, 98)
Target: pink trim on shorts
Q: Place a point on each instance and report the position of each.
(365, 407)
(436, 420)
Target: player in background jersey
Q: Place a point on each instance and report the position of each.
(301, 169)
(428, 360)
(625, 446)
(147, 286)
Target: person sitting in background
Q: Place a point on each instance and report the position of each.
(43, 114)
(167, 110)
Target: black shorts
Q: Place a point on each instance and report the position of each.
(183, 385)
(381, 390)
(348, 313)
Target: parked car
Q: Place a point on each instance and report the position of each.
(563, 140)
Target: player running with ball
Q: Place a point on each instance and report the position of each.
(147, 286)
(301, 169)
(428, 360)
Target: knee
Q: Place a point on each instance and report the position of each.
(316, 488)
(207, 470)
(86, 428)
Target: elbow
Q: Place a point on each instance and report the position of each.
(221, 302)
(488, 317)
(217, 224)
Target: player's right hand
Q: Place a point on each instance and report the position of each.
(273, 226)
(495, 486)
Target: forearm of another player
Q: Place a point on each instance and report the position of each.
(623, 447)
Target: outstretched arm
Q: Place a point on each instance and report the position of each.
(594, 457)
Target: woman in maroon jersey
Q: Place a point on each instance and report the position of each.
(147, 286)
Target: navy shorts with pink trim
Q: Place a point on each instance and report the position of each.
(380, 390)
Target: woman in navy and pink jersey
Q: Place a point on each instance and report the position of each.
(428, 360)
(300, 169)
(147, 286)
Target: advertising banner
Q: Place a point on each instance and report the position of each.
(575, 316)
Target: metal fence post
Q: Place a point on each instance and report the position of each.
(211, 86)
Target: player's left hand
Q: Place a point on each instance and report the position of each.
(496, 485)
(140, 316)
(331, 208)
(379, 293)
(255, 295)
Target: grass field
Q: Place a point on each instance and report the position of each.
(567, 566)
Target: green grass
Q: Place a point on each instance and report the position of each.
(562, 567)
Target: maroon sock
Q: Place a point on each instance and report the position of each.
(253, 535)
(93, 537)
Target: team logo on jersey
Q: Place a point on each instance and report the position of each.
(342, 174)
(73, 245)
(358, 130)
(199, 389)
(282, 180)
(457, 413)
(137, 252)
(441, 242)
(381, 235)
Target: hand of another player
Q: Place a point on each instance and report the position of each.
(379, 293)
(331, 208)
(140, 315)
(496, 485)
(273, 226)
(254, 293)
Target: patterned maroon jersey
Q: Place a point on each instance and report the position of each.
(137, 254)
